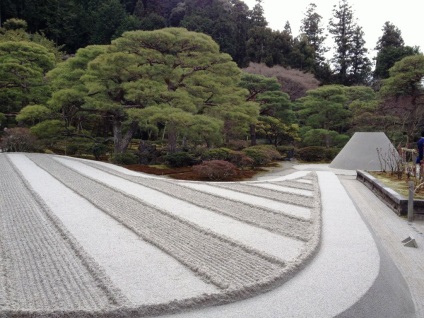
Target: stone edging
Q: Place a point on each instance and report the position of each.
(397, 202)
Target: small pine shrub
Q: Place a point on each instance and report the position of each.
(331, 153)
(216, 170)
(286, 151)
(216, 154)
(312, 154)
(179, 159)
(127, 158)
(241, 160)
(263, 154)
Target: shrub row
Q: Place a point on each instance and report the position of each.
(315, 154)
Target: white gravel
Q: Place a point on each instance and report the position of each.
(144, 273)
(149, 251)
(262, 202)
(284, 248)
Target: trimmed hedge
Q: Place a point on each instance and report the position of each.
(179, 159)
(217, 154)
(315, 153)
(263, 154)
(127, 158)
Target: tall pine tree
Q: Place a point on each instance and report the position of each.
(349, 58)
(391, 49)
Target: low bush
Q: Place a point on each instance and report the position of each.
(286, 151)
(312, 154)
(19, 140)
(241, 160)
(217, 154)
(216, 170)
(263, 154)
(238, 144)
(179, 159)
(331, 153)
(127, 158)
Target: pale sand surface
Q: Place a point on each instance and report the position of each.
(282, 247)
(343, 270)
(267, 203)
(346, 278)
(155, 252)
(140, 270)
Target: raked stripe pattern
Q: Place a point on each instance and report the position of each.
(44, 271)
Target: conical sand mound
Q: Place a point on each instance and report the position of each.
(361, 152)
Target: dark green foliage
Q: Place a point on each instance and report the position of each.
(127, 158)
(216, 170)
(262, 154)
(179, 159)
(312, 154)
(98, 150)
(349, 59)
(388, 56)
(217, 154)
(286, 151)
(331, 153)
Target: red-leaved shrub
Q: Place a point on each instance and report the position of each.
(216, 170)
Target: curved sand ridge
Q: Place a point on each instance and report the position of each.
(58, 273)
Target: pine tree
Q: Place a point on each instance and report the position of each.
(257, 15)
(392, 37)
(360, 71)
(342, 27)
(311, 27)
(391, 49)
(350, 57)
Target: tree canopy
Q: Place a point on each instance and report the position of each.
(158, 76)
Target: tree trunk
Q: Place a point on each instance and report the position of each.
(252, 134)
(172, 139)
(120, 141)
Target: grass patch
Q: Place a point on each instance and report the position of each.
(396, 184)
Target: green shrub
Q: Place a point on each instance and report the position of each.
(241, 160)
(216, 170)
(286, 151)
(263, 154)
(179, 159)
(73, 148)
(331, 153)
(216, 154)
(127, 158)
(238, 144)
(312, 154)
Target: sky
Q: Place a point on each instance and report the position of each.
(371, 15)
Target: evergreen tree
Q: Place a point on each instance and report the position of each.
(311, 28)
(360, 70)
(391, 49)
(392, 37)
(257, 15)
(342, 27)
(350, 57)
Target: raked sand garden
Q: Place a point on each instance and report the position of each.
(80, 238)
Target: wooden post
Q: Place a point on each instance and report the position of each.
(411, 201)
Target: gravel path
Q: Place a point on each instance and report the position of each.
(43, 266)
(69, 281)
(277, 221)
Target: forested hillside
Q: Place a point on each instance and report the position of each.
(176, 75)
